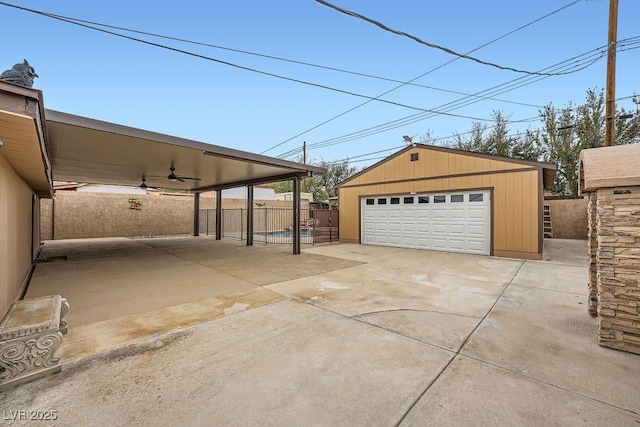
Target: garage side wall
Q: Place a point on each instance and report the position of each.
(516, 204)
(15, 234)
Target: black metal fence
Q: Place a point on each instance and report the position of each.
(274, 225)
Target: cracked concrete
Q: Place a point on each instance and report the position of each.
(355, 335)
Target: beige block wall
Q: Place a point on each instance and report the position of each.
(568, 218)
(618, 264)
(15, 234)
(78, 215)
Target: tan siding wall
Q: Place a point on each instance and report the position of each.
(515, 203)
(15, 234)
(430, 163)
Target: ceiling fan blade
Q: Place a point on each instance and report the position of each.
(190, 178)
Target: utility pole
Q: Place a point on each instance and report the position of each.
(610, 109)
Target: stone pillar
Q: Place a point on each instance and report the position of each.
(592, 244)
(618, 263)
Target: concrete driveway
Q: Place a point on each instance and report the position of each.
(376, 336)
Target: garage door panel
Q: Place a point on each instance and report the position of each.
(458, 213)
(395, 214)
(457, 245)
(455, 224)
(439, 243)
(395, 227)
(475, 245)
(476, 213)
(409, 227)
(408, 241)
(476, 230)
(439, 213)
(457, 229)
(408, 215)
(439, 228)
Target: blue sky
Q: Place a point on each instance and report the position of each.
(97, 75)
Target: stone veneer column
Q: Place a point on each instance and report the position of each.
(618, 264)
(592, 245)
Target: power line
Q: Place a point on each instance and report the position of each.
(321, 86)
(420, 76)
(435, 46)
(262, 55)
(587, 58)
(499, 89)
(460, 134)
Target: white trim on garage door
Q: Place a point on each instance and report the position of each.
(458, 221)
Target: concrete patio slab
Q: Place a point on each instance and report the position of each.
(408, 279)
(426, 326)
(259, 264)
(287, 363)
(86, 340)
(549, 336)
(132, 276)
(369, 336)
(474, 393)
(565, 251)
(562, 278)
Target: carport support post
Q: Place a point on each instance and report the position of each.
(296, 215)
(196, 214)
(218, 214)
(249, 215)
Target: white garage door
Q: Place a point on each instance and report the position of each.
(452, 222)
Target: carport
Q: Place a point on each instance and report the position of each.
(89, 150)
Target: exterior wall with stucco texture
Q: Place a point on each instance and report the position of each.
(569, 218)
(77, 215)
(15, 234)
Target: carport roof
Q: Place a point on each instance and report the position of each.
(93, 151)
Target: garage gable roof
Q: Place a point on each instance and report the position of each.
(548, 169)
(93, 151)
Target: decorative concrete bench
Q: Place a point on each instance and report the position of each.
(30, 334)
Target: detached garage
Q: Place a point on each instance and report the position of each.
(434, 198)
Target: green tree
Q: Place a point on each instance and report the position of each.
(497, 140)
(571, 129)
(322, 186)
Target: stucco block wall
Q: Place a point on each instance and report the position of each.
(78, 215)
(568, 218)
(15, 234)
(618, 263)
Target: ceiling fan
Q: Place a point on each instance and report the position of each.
(173, 177)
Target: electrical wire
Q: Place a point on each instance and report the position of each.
(519, 82)
(262, 55)
(290, 79)
(636, 117)
(420, 76)
(435, 46)
(582, 60)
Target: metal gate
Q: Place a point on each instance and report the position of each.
(274, 225)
